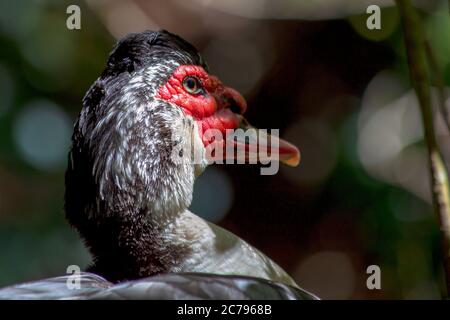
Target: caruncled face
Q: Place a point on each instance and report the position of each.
(215, 106)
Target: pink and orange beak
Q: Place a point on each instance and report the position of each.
(262, 145)
(254, 143)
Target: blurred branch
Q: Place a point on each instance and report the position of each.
(415, 46)
(439, 80)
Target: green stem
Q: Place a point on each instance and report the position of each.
(415, 46)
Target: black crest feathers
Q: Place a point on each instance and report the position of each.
(137, 50)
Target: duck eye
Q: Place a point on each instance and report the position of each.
(192, 85)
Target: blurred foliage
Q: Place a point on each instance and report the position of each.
(40, 59)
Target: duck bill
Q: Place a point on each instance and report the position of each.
(247, 144)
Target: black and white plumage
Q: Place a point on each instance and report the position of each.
(130, 179)
(181, 286)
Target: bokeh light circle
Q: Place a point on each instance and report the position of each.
(213, 195)
(42, 135)
(329, 274)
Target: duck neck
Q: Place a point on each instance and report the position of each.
(125, 201)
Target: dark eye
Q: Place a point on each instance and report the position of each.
(192, 85)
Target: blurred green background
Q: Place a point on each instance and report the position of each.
(339, 91)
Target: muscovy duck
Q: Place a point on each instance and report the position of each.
(130, 180)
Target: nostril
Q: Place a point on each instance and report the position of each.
(234, 107)
(234, 101)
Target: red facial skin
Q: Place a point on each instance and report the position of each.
(210, 108)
